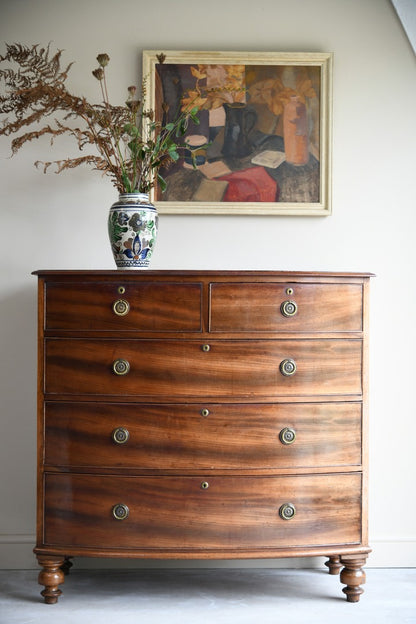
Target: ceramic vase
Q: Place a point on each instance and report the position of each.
(132, 229)
(240, 120)
(295, 132)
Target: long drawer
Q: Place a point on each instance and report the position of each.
(231, 368)
(201, 513)
(202, 437)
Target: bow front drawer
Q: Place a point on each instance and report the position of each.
(202, 512)
(202, 436)
(122, 305)
(228, 368)
(286, 307)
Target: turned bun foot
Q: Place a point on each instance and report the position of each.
(51, 576)
(334, 565)
(67, 565)
(353, 576)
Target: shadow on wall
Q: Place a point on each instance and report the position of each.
(18, 326)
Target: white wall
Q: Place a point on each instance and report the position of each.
(60, 221)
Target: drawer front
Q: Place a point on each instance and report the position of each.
(226, 368)
(177, 513)
(202, 437)
(147, 306)
(269, 307)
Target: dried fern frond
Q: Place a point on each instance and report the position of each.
(36, 134)
(71, 163)
(131, 146)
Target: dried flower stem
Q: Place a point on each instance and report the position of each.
(36, 89)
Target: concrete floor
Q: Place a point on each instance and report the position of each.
(213, 596)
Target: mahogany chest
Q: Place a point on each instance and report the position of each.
(204, 415)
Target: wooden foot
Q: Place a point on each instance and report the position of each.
(51, 577)
(67, 565)
(353, 576)
(334, 564)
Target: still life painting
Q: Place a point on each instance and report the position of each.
(262, 144)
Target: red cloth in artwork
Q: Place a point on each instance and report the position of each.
(250, 185)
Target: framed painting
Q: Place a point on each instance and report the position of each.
(263, 142)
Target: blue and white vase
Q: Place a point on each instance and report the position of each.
(132, 228)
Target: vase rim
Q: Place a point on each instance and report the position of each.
(134, 194)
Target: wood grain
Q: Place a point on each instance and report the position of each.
(232, 368)
(256, 307)
(179, 437)
(173, 512)
(154, 306)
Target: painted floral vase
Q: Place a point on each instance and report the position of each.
(132, 228)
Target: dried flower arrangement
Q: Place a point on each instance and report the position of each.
(131, 146)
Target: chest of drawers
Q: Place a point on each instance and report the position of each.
(202, 415)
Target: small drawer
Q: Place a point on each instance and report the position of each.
(201, 512)
(270, 307)
(123, 305)
(202, 436)
(188, 368)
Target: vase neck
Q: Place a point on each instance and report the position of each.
(136, 196)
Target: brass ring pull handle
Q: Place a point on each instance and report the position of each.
(287, 511)
(121, 307)
(289, 308)
(120, 435)
(206, 348)
(120, 511)
(204, 412)
(288, 367)
(121, 367)
(287, 436)
(204, 485)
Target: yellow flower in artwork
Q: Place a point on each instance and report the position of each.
(215, 85)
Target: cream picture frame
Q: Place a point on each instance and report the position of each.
(263, 145)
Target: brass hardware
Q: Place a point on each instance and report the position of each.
(288, 367)
(121, 290)
(121, 367)
(289, 291)
(287, 436)
(204, 485)
(121, 307)
(206, 348)
(120, 511)
(289, 308)
(120, 435)
(287, 511)
(204, 412)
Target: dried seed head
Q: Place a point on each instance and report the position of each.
(133, 105)
(98, 73)
(132, 89)
(103, 59)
